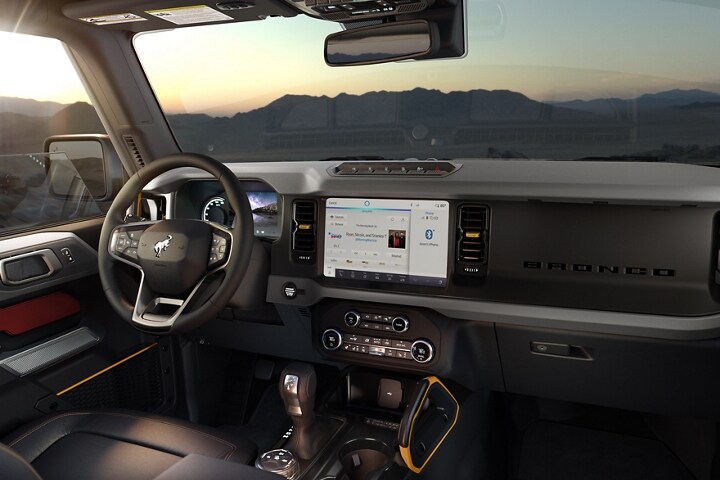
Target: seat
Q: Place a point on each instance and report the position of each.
(119, 445)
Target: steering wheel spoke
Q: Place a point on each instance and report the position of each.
(155, 311)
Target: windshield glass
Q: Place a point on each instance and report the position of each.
(557, 79)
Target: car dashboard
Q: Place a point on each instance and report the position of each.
(503, 275)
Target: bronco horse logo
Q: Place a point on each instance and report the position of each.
(162, 245)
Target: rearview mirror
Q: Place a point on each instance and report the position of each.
(383, 43)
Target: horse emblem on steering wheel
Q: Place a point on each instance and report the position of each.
(162, 245)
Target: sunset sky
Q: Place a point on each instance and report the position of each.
(37, 68)
(550, 50)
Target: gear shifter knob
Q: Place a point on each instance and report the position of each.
(297, 389)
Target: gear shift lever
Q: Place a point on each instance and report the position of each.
(297, 389)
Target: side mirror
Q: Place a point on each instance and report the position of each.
(388, 42)
(82, 166)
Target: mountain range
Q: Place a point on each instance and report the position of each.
(625, 108)
(29, 107)
(378, 119)
(21, 131)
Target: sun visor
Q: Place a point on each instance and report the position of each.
(143, 16)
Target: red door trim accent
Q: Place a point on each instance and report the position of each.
(31, 314)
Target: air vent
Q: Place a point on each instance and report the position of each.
(304, 233)
(134, 151)
(472, 240)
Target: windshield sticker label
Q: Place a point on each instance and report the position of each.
(190, 15)
(114, 19)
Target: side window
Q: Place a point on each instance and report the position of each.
(42, 97)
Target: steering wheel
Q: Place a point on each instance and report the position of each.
(175, 257)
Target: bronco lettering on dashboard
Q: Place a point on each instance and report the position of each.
(606, 269)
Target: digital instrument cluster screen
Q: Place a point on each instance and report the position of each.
(264, 206)
(397, 241)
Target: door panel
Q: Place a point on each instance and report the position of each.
(62, 345)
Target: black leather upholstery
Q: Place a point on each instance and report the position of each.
(119, 445)
(15, 467)
(196, 467)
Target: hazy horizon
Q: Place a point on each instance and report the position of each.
(549, 102)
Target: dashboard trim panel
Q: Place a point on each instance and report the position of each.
(593, 321)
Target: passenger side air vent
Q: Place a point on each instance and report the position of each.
(304, 234)
(472, 240)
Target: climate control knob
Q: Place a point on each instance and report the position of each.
(352, 318)
(331, 339)
(422, 351)
(400, 324)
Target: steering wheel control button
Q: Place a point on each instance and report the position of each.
(400, 324)
(121, 240)
(352, 318)
(422, 351)
(218, 249)
(331, 339)
(290, 291)
(124, 243)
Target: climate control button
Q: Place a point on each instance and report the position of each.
(352, 318)
(400, 324)
(422, 351)
(331, 339)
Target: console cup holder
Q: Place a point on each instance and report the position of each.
(364, 459)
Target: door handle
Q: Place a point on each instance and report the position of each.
(29, 267)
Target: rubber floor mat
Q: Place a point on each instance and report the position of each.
(554, 451)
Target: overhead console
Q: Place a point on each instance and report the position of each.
(354, 10)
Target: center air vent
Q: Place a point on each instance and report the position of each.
(472, 240)
(304, 235)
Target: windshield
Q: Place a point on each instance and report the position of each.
(556, 79)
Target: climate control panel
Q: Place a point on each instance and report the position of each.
(420, 350)
(367, 334)
(377, 321)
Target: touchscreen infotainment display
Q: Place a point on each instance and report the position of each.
(398, 241)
